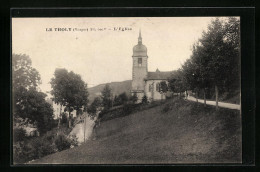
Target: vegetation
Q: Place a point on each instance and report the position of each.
(214, 63)
(120, 99)
(95, 106)
(144, 100)
(29, 103)
(106, 97)
(69, 90)
(186, 133)
(28, 149)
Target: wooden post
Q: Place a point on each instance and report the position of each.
(216, 91)
(204, 91)
(85, 127)
(60, 116)
(196, 95)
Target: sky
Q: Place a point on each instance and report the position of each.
(101, 52)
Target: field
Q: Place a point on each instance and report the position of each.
(177, 131)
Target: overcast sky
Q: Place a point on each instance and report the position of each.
(104, 56)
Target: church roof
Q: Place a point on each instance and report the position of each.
(158, 75)
(139, 49)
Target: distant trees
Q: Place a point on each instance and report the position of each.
(120, 99)
(95, 106)
(28, 102)
(214, 63)
(106, 96)
(69, 90)
(176, 82)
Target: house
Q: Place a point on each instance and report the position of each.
(58, 109)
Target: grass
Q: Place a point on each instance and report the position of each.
(176, 132)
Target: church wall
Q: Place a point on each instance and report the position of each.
(153, 93)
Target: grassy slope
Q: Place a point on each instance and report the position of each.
(186, 133)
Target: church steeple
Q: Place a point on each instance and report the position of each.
(140, 37)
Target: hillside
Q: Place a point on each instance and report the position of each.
(177, 131)
(117, 88)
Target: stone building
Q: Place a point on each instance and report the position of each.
(144, 82)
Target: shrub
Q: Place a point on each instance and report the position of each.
(144, 100)
(64, 118)
(19, 134)
(73, 140)
(62, 142)
(37, 147)
(42, 147)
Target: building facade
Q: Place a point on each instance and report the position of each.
(144, 82)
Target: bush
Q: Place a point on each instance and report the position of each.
(19, 134)
(144, 100)
(33, 148)
(37, 147)
(64, 118)
(62, 142)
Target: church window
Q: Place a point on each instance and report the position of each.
(158, 87)
(139, 61)
(150, 87)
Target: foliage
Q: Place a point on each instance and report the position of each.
(176, 83)
(121, 99)
(62, 142)
(163, 86)
(106, 97)
(214, 63)
(95, 106)
(69, 90)
(37, 147)
(144, 100)
(64, 118)
(23, 74)
(28, 102)
(19, 134)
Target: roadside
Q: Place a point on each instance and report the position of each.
(213, 103)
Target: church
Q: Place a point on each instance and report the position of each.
(144, 82)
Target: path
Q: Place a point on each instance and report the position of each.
(213, 103)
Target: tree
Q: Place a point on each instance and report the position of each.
(221, 49)
(176, 82)
(121, 99)
(144, 100)
(215, 59)
(69, 90)
(28, 103)
(106, 96)
(23, 74)
(163, 87)
(94, 107)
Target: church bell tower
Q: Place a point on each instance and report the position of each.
(140, 68)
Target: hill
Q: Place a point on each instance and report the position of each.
(117, 88)
(177, 131)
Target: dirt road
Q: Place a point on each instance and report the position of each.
(213, 103)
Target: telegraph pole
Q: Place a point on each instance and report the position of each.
(85, 127)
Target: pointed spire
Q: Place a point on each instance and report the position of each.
(140, 37)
